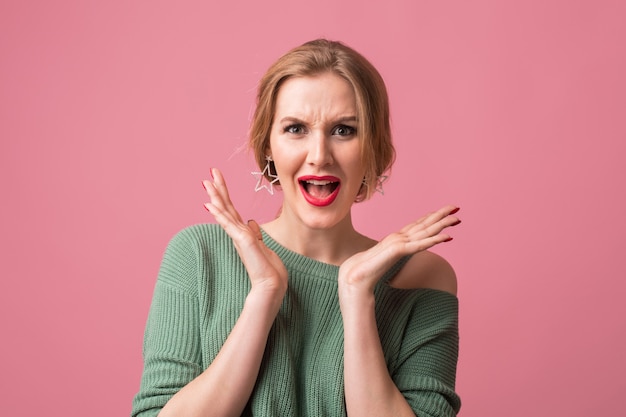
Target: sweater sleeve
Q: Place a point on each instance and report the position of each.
(425, 369)
(172, 349)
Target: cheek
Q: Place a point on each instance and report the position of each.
(353, 161)
(285, 163)
(289, 156)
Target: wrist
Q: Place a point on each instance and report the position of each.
(265, 299)
(355, 298)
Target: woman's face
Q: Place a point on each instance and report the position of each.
(316, 149)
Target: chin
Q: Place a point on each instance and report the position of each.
(324, 221)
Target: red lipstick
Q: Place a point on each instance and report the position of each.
(319, 191)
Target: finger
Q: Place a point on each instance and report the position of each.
(218, 192)
(432, 218)
(216, 198)
(214, 190)
(427, 243)
(240, 233)
(432, 235)
(436, 228)
(442, 213)
(222, 213)
(223, 217)
(423, 221)
(222, 189)
(416, 224)
(220, 184)
(254, 226)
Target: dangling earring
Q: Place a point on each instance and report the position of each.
(265, 178)
(379, 183)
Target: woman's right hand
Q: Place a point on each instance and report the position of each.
(224, 388)
(268, 275)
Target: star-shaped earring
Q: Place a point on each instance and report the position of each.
(379, 183)
(262, 179)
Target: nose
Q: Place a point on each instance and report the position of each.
(320, 153)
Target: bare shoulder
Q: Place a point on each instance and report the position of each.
(426, 270)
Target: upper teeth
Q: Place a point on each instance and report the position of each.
(318, 182)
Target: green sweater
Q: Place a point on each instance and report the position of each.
(200, 293)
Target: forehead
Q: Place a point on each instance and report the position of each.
(319, 96)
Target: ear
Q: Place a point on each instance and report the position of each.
(362, 195)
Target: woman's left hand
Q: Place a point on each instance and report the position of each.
(360, 273)
(369, 388)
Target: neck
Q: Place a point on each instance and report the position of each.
(329, 245)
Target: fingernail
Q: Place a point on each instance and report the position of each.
(448, 239)
(455, 223)
(455, 210)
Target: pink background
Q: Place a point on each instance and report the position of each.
(112, 112)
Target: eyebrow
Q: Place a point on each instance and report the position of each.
(292, 119)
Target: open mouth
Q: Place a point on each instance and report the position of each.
(319, 191)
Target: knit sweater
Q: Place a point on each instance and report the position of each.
(200, 292)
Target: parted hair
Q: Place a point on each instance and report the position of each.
(373, 124)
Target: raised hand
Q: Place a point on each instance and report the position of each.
(363, 270)
(267, 272)
(224, 388)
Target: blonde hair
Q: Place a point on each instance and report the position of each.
(319, 56)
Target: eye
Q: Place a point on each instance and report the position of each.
(294, 129)
(344, 130)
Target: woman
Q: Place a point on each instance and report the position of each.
(305, 316)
